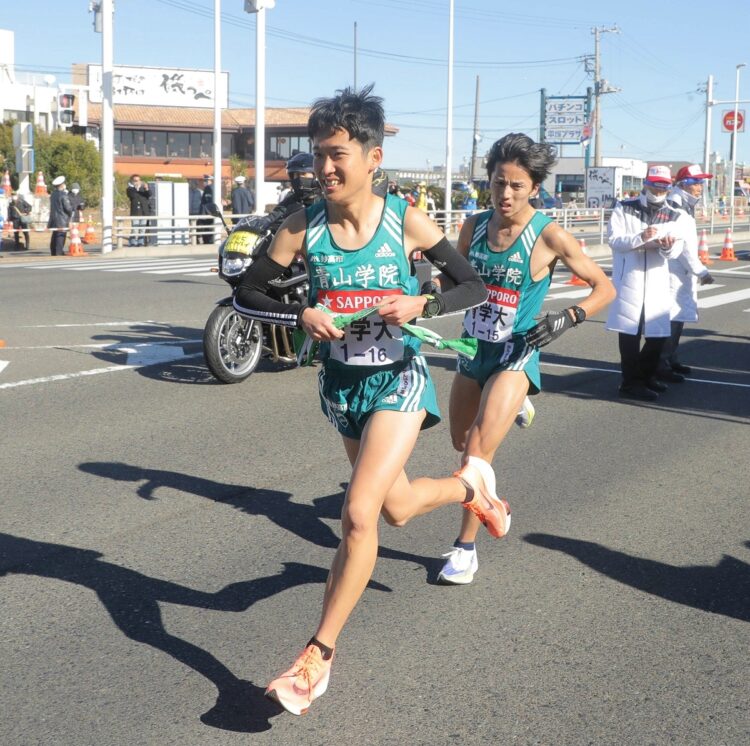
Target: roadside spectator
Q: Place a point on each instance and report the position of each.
(243, 202)
(138, 194)
(205, 225)
(77, 203)
(19, 215)
(60, 211)
(685, 271)
(643, 234)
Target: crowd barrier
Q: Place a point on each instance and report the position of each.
(589, 224)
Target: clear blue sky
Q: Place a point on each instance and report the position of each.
(664, 51)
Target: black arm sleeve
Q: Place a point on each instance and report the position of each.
(251, 298)
(469, 290)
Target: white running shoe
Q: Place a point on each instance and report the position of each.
(525, 416)
(460, 567)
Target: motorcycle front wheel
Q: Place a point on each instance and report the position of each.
(232, 345)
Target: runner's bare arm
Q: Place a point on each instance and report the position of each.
(557, 243)
(251, 298)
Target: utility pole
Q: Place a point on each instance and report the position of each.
(475, 137)
(707, 137)
(600, 87)
(355, 55)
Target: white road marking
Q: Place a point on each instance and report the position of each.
(724, 298)
(83, 373)
(4, 364)
(614, 371)
(149, 322)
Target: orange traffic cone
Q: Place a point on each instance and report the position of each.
(7, 188)
(41, 187)
(703, 250)
(76, 249)
(575, 279)
(727, 252)
(89, 235)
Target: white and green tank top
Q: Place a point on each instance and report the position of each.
(350, 280)
(513, 297)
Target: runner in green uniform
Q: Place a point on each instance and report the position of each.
(374, 385)
(514, 249)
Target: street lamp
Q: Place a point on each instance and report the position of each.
(735, 133)
(259, 7)
(103, 23)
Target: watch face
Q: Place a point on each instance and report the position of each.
(431, 308)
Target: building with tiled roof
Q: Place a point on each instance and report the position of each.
(177, 140)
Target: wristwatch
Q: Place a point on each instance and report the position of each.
(579, 313)
(431, 308)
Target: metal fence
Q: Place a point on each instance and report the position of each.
(590, 225)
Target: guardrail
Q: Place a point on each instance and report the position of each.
(590, 224)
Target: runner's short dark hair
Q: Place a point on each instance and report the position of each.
(357, 112)
(535, 157)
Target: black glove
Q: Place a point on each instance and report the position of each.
(705, 279)
(550, 327)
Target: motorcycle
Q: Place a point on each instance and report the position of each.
(233, 345)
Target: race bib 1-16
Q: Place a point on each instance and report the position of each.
(368, 341)
(493, 320)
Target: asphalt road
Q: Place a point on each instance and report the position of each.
(165, 540)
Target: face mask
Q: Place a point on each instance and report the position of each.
(655, 199)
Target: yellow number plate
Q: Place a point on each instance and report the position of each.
(241, 242)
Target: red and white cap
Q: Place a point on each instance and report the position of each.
(692, 172)
(658, 175)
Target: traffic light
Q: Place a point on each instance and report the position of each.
(65, 112)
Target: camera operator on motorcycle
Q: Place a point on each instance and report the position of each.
(232, 345)
(305, 191)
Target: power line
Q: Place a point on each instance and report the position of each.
(277, 32)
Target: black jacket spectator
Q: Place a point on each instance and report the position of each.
(195, 200)
(60, 209)
(139, 198)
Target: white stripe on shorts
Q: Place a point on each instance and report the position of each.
(418, 368)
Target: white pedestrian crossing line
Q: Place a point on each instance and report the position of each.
(723, 298)
(174, 265)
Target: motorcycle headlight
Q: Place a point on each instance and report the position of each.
(235, 264)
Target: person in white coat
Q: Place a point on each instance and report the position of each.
(644, 233)
(686, 272)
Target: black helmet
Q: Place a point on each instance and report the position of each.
(305, 186)
(300, 163)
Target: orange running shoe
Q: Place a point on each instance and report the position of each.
(305, 681)
(492, 511)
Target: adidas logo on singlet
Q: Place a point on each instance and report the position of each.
(517, 258)
(384, 251)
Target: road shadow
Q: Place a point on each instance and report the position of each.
(720, 589)
(306, 521)
(160, 340)
(132, 600)
(592, 379)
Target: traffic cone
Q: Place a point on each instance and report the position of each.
(76, 249)
(7, 188)
(41, 187)
(89, 235)
(727, 252)
(575, 279)
(703, 250)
